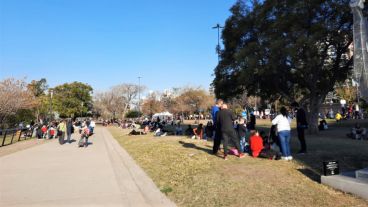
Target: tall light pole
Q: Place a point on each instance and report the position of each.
(218, 27)
(51, 91)
(139, 93)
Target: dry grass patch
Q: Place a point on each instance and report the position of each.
(185, 170)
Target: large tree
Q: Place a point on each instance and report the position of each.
(72, 99)
(286, 49)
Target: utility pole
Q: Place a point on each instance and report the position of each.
(218, 27)
(139, 93)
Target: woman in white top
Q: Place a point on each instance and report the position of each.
(283, 128)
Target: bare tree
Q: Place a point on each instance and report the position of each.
(152, 104)
(118, 100)
(14, 97)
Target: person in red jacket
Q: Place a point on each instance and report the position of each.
(44, 131)
(257, 148)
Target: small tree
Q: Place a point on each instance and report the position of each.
(14, 97)
(152, 105)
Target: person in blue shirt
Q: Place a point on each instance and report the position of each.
(217, 129)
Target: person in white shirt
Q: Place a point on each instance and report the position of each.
(283, 128)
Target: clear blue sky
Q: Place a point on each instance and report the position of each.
(170, 43)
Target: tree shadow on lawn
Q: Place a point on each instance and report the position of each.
(331, 145)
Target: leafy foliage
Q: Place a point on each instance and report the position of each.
(291, 50)
(72, 99)
(133, 114)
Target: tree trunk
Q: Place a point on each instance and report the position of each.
(313, 112)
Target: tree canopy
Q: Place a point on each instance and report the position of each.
(290, 50)
(72, 99)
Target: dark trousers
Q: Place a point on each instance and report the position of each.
(216, 141)
(61, 138)
(301, 137)
(230, 136)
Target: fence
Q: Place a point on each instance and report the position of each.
(10, 136)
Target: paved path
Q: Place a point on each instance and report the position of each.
(64, 175)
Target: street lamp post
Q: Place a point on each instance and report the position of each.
(218, 27)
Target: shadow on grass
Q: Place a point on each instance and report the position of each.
(314, 176)
(193, 146)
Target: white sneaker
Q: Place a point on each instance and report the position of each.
(289, 158)
(284, 158)
(193, 137)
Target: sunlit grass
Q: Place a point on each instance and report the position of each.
(185, 170)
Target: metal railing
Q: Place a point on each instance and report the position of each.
(14, 135)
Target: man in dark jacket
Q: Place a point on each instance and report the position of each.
(69, 130)
(224, 121)
(301, 125)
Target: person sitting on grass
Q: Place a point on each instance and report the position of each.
(208, 130)
(178, 130)
(189, 131)
(257, 148)
(338, 117)
(198, 132)
(136, 132)
(146, 129)
(358, 132)
(322, 125)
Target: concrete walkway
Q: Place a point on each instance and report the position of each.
(102, 174)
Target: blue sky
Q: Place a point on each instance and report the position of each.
(170, 43)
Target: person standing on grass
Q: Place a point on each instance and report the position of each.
(217, 133)
(241, 128)
(61, 131)
(283, 128)
(225, 120)
(301, 125)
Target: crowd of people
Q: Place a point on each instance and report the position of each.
(247, 139)
(64, 128)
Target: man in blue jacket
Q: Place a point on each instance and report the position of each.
(217, 133)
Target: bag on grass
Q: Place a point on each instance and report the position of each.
(233, 151)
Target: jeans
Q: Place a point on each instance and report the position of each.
(242, 144)
(284, 137)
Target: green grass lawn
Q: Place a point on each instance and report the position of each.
(185, 170)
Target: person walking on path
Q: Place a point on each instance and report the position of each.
(283, 128)
(69, 130)
(301, 125)
(61, 131)
(225, 119)
(217, 133)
